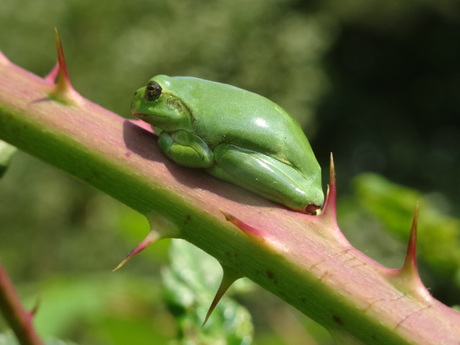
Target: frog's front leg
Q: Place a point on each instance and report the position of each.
(186, 148)
(266, 176)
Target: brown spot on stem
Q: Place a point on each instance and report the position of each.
(338, 320)
(188, 218)
(271, 276)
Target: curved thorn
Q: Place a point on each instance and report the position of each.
(228, 278)
(164, 228)
(52, 75)
(35, 308)
(151, 238)
(243, 226)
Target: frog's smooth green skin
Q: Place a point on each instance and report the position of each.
(234, 134)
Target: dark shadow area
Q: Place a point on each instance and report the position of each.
(394, 104)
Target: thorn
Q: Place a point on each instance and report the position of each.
(256, 234)
(332, 179)
(410, 263)
(243, 226)
(63, 73)
(34, 310)
(228, 278)
(330, 205)
(164, 228)
(329, 212)
(63, 90)
(408, 277)
(152, 237)
(52, 75)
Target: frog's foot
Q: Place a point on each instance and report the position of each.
(267, 177)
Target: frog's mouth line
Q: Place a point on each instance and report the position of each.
(140, 116)
(145, 117)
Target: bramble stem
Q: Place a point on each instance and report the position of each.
(17, 317)
(303, 259)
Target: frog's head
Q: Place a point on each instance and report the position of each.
(157, 104)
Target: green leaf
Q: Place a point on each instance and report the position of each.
(190, 284)
(6, 152)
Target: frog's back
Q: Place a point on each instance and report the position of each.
(224, 113)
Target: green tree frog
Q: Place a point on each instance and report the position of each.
(235, 135)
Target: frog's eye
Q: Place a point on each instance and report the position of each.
(152, 91)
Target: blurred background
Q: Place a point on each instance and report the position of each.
(375, 82)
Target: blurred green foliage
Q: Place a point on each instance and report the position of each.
(6, 152)
(191, 282)
(375, 82)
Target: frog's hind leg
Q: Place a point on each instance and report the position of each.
(265, 176)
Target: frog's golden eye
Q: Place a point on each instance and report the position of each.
(152, 91)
